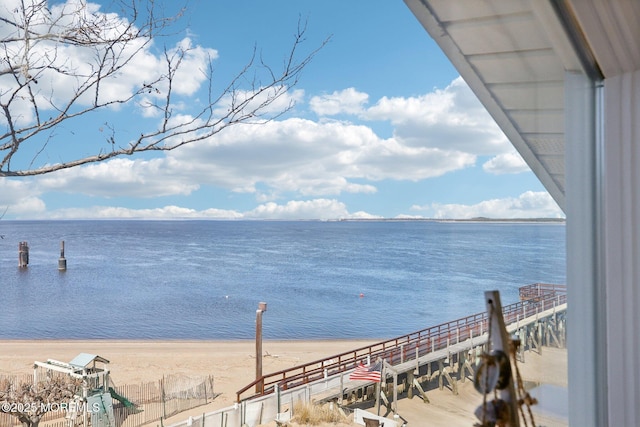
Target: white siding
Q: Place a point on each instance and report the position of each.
(622, 241)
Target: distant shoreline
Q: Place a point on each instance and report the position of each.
(407, 219)
(478, 219)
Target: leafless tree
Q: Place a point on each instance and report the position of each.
(29, 402)
(61, 62)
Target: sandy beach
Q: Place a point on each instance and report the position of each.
(232, 364)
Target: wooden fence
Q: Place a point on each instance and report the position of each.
(162, 399)
(151, 401)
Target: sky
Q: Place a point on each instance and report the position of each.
(382, 127)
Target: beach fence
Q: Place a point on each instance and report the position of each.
(162, 399)
(136, 404)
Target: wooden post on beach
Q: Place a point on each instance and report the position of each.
(383, 379)
(23, 254)
(394, 407)
(462, 360)
(62, 262)
(262, 307)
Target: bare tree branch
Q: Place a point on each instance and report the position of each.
(60, 64)
(29, 402)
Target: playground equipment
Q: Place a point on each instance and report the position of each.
(95, 400)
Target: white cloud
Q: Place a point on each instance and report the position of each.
(115, 212)
(271, 102)
(437, 133)
(308, 209)
(138, 62)
(310, 158)
(323, 209)
(18, 197)
(507, 163)
(347, 101)
(120, 177)
(144, 67)
(450, 119)
(28, 205)
(528, 205)
(281, 157)
(193, 69)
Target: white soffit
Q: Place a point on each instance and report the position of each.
(513, 55)
(612, 29)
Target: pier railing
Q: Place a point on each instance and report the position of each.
(538, 297)
(536, 291)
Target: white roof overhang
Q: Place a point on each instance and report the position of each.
(514, 55)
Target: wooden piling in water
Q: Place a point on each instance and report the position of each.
(62, 262)
(23, 254)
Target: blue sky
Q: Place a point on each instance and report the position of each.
(383, 126)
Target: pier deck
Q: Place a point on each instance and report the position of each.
(417, 351)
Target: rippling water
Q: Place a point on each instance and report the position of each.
(204, 279)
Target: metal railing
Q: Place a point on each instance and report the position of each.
(416, 344)
(537, 290)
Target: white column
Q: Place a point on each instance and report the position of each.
(586, 333)
(622, 240)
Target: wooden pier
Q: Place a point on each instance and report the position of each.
(442, 353)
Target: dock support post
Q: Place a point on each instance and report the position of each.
(23, 254)
(423, 394)
(540, 337)
(443, 374)
(394, 407)
(62, 261)
(379, 393)
(462, 359)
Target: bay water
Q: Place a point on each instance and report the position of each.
(137, 279)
